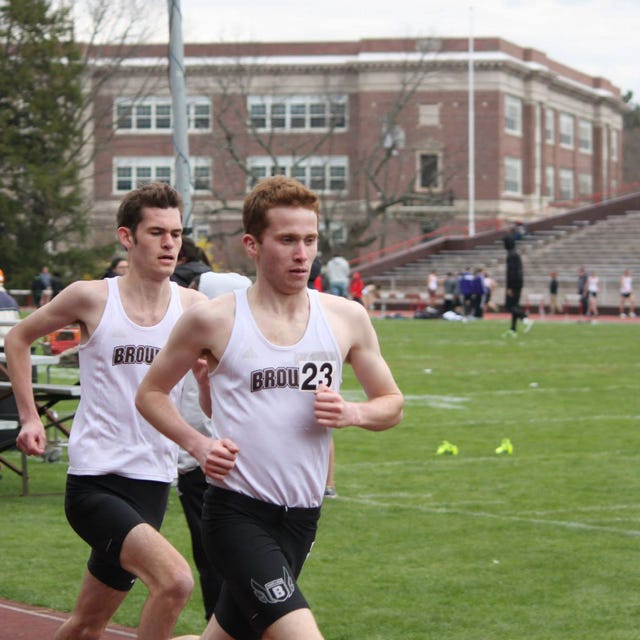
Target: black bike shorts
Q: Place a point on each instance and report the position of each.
(259, 549)
(103, 509)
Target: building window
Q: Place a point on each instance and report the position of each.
(429, 115)
(550, 186)
(297, 113)
(585, 184)
(566, 130)
(566, 184)
(130, 173)
(513, 115)
(154, 115)
(585, 136)
(513, 175)
(550, 125)
(323, 174)
(428, 172)
(614, 145)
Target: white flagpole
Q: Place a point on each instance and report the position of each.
(472, 134)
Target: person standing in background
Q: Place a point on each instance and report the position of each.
(9, 311)
(514, 284)
(117, 267)
(356, 288)
(432, 287)
(582, 291)
(553, 293)
(626, 295)
(337, 272)
(593, 288)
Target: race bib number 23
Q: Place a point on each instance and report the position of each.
(313, 373)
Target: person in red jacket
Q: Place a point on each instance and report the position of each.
(355, 288)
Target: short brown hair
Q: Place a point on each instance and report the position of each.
(154, 194)
(278, 191)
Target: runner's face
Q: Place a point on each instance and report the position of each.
(158, 240)
(289, 245)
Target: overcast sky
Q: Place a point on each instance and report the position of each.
(599, 37)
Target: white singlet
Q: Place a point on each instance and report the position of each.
(626, 284)
(108, 434)
(262, 398)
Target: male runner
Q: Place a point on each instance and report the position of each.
(120, 468)
(275, 354)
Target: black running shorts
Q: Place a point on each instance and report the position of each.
(259, 549)
(103, 509)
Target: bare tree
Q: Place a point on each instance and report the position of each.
(249, 117)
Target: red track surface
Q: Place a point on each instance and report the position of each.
(22, 622)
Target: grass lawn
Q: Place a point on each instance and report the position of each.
(538, 545)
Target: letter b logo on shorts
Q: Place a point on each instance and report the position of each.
(274, 591)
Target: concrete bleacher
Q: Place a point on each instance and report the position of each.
(606, 246)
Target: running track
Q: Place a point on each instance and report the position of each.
(23, 622)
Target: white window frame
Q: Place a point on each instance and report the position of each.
(512, 176)
(160, 115)
(512, 115)
(567, 130)
(298, 113)
(615, 144)
(585, 136)
(319, 173)
(421, 188)
(550, 125)
(550, 178)
(585, 184)
(566, 184)
(150, 168)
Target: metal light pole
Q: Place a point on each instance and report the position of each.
(179, 112)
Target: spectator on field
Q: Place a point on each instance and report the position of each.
(56, 284)
(315, 274)
(582, 291)
(593, 288)
(41, 287)
(514, 284)
(626, 295)
(9, 311)
(477, 293)
(465, 285)
(117, 267)
(192, 261)
(432, 287)
(356, 287)
(451, 292)
(553, 293)
(337, 271)
(489, 285)
(369, 296)
(45, 279)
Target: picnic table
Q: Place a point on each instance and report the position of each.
(47, 396)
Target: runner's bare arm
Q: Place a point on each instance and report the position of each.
(80, 302)
(184, 347)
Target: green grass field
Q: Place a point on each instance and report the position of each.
(539, 545)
